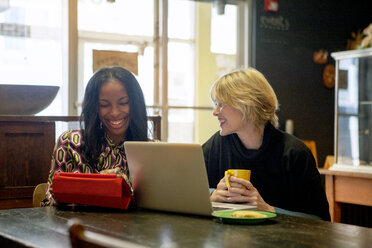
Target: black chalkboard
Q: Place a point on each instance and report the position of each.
(282, 49)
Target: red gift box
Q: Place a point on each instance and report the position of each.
(103, 190)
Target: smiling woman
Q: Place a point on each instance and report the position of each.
(284, 177)
(113, 112)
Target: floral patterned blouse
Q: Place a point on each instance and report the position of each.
(67, 157)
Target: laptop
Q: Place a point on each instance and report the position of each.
(171, 177)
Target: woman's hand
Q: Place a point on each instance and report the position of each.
(116, 171)
(238, 194)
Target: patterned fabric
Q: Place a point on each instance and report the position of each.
(68, 157)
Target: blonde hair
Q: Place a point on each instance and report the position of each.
(248, 91)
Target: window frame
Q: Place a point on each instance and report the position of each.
(76, 39)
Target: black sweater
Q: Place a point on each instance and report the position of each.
(283, 170)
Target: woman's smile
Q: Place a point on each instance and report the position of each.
(221, 121)
(229, 118)
(117, 124)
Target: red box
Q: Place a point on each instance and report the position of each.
(103, 190)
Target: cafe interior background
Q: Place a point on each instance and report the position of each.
(181, 47)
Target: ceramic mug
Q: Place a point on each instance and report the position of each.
(240, 173)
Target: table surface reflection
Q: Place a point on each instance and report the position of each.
(47, 227)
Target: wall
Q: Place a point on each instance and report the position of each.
(206, 123)
(283, 45)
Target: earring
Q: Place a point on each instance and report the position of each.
(100, 125)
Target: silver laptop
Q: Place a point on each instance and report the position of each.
(171, 177)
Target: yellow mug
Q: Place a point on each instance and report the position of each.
(244, 174)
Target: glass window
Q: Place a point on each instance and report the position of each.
(181, 125)
(120, 17)
(32, 35)
(93, 20)
(223, 30)
(181, 79)
(128, 28)
(31, 46)
(181, 16)
(181, 70)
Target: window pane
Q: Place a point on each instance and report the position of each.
(128, 28)
(206, 124)
(122, 16)
(223, 33)
(31, 43)
(191, 125)
(181, 125)
(181, 79)
(145, 75)
(181, 19)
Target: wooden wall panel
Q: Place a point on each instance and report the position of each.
(25, 153)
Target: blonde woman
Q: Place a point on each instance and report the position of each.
(284, 177)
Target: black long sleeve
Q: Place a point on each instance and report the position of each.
(283, 170)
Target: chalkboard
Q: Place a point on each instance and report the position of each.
(282, 49)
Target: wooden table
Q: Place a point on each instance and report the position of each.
(46, 227)
(346, 187)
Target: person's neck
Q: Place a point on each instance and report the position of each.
(251, 137)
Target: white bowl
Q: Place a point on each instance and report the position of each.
(25, 99)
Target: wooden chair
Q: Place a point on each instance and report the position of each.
(39, 194)
(156, 124)
(81, 238)
(312, 146)
(330, 160)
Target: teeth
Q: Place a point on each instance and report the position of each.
(116, 122)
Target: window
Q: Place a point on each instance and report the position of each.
(123, 30)
(31, 44)
(223, 30)
(201, 46)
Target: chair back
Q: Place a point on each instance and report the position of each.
(81, 238)
(329, 162)
(39, 194)
(312, 146)
(156, 126)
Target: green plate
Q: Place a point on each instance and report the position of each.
(225, 217)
